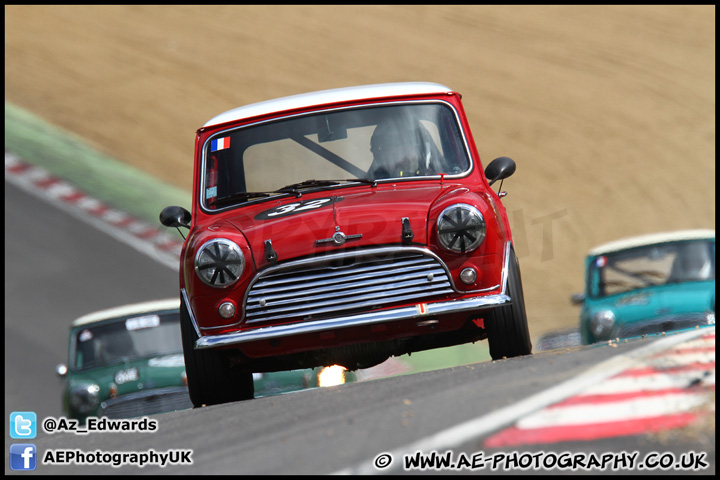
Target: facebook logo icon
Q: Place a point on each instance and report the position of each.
(23, 425)
(23, 456)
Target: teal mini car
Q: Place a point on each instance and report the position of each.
(648, 285)
(128, 362)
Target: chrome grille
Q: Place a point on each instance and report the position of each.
(345, 283)
(146, 402)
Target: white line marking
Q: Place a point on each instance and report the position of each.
(679, 359)
(605, 412)
(658, 381)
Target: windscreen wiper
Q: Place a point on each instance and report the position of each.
(293, 188)
(245, 196)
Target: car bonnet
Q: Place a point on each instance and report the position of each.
(333, 219)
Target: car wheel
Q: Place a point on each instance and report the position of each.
(507, 326)
(210, 379)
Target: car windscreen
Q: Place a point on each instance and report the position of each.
(125, 339)
(661, 264)
(371, 143)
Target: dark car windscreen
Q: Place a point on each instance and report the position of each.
(661, 264)
(126, 339)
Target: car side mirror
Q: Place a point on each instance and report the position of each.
(499, 169)
(175, 217)
(577, 298)
(61, 370)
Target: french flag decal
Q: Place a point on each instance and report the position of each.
(220, 144)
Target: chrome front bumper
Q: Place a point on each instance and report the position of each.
(664, 324)
(419, 311)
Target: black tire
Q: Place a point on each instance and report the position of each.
(507, 326)
(210, 379)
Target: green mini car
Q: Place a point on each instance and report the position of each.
(647, 285)
(128, 362)
(125, 362)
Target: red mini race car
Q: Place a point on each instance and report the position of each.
(342, 227)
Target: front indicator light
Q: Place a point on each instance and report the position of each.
(468, 276)
(461, 228)
(219, 263)
(226, 310)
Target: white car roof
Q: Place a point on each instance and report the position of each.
(128, 310)
(329, 96)
(652, 239)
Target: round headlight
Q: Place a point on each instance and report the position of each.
(84, 398)
(602, 324)
(219, 263)
(461, 228)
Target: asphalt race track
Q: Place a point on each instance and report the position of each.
(59, 267)
(44, 245)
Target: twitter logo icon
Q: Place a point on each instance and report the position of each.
(23, 425)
